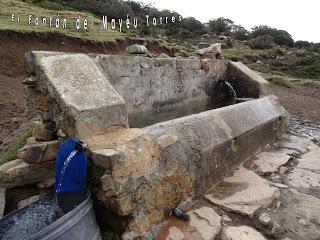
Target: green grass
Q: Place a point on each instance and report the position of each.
(280, 80)
(12, 152)
(109, 235)
(23, 9)
(236, 54)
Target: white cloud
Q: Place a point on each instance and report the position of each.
(300, 18)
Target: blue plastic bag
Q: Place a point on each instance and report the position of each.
(71, 168)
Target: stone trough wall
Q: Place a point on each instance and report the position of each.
(142, 174)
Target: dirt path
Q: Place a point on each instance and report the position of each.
(301, 101)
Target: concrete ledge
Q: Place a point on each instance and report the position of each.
(247, 82)
(83, 101)
(149, 83)
(192, 153)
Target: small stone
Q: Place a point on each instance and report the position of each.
(283, 170)
(275, 227)
(226, 218)
(163, 55)
(279, 185)
(28, 201)
(265, 219)
(30, 81)
(303, 222)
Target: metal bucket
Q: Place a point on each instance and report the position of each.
(78, 224)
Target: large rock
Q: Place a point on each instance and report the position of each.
(241, 233)
(214, 50)
(136, 49)
(40, 152)
(244, 192)
(19, 173)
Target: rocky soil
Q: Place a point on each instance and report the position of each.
(274, 195)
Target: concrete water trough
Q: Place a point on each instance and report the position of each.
(45, 220)
(140, 174)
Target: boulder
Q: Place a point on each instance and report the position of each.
(214, 50)
(40, 152)
(19, 173)
(136, 49)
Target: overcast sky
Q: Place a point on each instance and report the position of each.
(300, 18)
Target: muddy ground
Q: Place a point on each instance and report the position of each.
(301, 100)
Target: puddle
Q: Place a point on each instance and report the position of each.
(25, 222)
(304, 128)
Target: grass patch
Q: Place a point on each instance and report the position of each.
(235, 54)
(24, 8)
(109, 235)
(12, 152)
(280, 80)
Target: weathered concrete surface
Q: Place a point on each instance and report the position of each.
(241, 233)
(147, 83)
(206, 138)
(19, 173)
(147, 172)
(84, 103)
(247, 82)
(244, 192)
